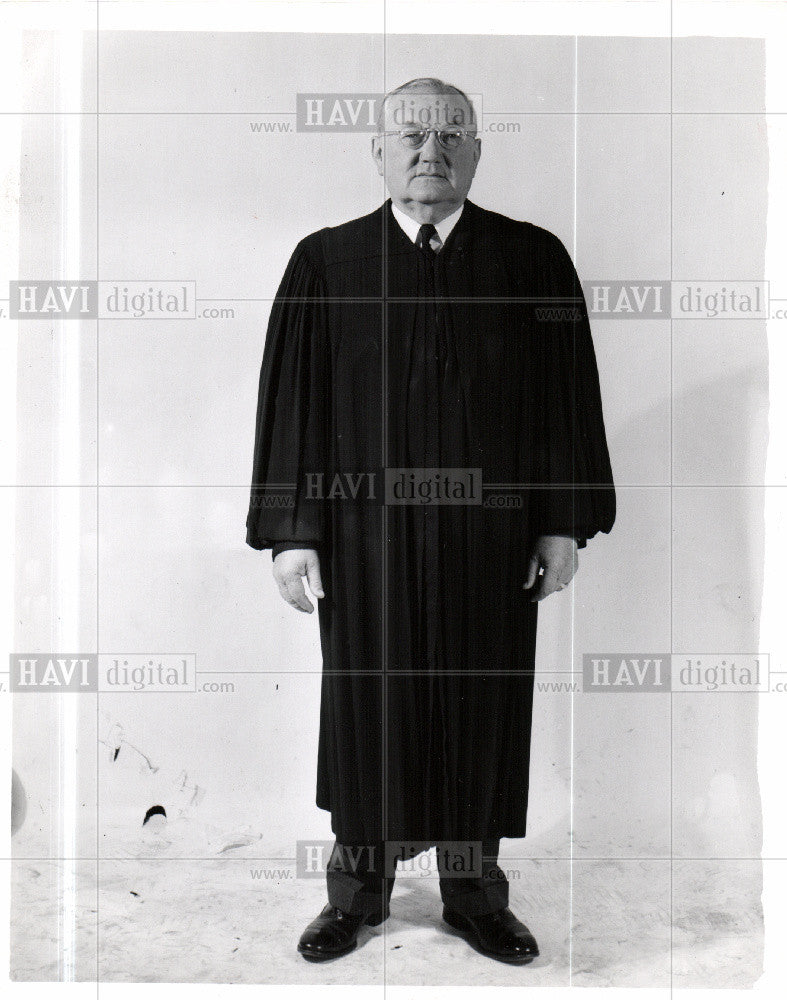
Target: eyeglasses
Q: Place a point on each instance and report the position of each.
(449, 138)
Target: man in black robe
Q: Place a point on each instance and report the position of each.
(430, 444)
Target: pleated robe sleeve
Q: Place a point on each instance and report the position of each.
(574, 492)
(292, 412)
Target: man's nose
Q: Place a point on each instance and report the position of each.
(431, 150)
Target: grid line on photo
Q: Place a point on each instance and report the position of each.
(671, 515)
(507, 857)
(98, 493)
(572, 717)
(496, 486)
(491, 114)
(384, 345)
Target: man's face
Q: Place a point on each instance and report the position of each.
(431, 177)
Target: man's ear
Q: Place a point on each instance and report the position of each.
(377, 153)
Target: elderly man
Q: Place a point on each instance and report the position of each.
(429, 397)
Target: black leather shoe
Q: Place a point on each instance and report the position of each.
(333, 933)
(500, 935)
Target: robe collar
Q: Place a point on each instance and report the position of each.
(412, 228)
(399, 242)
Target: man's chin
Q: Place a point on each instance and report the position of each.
(430, 189)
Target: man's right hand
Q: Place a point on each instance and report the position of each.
(288, 569)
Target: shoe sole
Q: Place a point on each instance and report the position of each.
(468, 935)
(316, 956)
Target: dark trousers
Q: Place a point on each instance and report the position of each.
(359, 883)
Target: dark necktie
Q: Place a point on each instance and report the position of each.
(425, 234)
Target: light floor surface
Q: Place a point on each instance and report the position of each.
(598, 923)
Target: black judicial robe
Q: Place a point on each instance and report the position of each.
(379, 358)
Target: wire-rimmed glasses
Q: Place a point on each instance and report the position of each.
(450, 137)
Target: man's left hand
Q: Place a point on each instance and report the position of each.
(553, 563)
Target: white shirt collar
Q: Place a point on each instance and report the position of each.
(411, 227)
